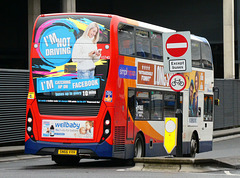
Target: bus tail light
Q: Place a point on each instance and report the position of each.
(30, 125)
(106, 127)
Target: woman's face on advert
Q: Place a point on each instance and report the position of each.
(196, 82)
(92, 32)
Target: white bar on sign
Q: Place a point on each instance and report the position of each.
(176, 45)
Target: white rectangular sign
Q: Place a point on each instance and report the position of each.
(177, 65)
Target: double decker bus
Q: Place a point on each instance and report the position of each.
(97, 89)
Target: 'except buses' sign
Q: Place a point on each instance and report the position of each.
(177, 52)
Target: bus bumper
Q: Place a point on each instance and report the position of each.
(92, 150)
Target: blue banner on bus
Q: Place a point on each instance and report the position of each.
(127, 72)
(58, 84)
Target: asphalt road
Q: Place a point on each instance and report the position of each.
(43, 167)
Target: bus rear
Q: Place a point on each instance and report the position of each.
(66, 116)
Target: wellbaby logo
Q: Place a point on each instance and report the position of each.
(72, 125)
(127, 72)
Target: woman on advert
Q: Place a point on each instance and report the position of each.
(85, 52)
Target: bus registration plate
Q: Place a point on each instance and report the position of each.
(67, 152)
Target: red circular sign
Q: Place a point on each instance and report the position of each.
(176, 45)
(177, 82)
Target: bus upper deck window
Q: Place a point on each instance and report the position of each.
(142, 43)
(126, 40)
(196, 54)
(206, 56)
(157, 48)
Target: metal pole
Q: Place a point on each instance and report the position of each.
(180, 127)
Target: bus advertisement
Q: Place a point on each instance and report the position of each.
(97, 89)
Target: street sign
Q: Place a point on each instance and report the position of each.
(170, 137)
(177, 82)
(176, 45)
(177, 52)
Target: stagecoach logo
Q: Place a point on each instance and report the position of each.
(127, 72)
(108, 96)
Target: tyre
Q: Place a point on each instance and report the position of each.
(139, 146)
(193, 146)
(66, 160)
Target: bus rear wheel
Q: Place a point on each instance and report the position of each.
(65, 160)
(139, 146)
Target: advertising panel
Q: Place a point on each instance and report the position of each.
(152, 74)
(70, 57)
(145, 73)
(195, 83)
(67, 129)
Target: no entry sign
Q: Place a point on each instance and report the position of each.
(176, 45)
(177, 52)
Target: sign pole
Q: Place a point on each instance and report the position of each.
(178, 83)
(177, 58)
(178, 114)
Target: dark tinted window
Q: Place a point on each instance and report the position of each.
(156, 105)
(169, 105)
(126, 40)
(196, 54)
(142, 43)
(142, 105)
(206, 55)
(208, 108)
(157, 48)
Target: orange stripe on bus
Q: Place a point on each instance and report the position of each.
(148, 130)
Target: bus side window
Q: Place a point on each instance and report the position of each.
(206, 56)
(156, 105)
(169, 105)
(126, 40)
(131, 100)
(142, 105)
(142, 43)
(196, 54)
(157, 48)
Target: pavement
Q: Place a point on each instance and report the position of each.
(183, 164)
(179, 164)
